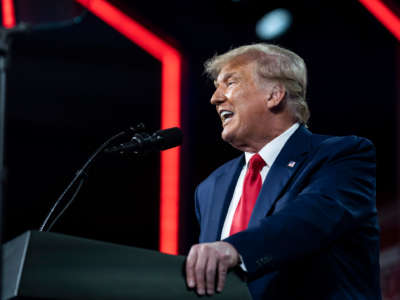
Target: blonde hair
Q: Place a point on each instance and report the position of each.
(274, 63)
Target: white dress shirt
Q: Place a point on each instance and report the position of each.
(268, 153)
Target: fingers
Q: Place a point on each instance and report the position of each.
(200, 270)
(222, 271)
(211, 269)
(207, 266)
(190, 264)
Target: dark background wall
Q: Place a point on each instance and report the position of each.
(70, 89)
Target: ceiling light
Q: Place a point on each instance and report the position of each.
(274, 24)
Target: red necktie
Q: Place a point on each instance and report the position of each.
(251, 188)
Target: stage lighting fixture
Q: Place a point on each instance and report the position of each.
(274, 24)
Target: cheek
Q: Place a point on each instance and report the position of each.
(250, 116)
(228, 94)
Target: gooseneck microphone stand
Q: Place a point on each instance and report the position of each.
(81, 176)
(137, 132)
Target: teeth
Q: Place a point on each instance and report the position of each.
(226, 114)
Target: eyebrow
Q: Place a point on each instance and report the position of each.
(225, 78)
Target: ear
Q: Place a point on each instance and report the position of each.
(276, 95)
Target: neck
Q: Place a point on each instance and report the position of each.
(254, 146)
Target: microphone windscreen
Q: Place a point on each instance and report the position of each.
(170, 138)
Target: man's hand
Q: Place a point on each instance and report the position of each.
(208, 261)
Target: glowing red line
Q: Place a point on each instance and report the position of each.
(169, 204)
(384, 15)
(135, 32)
(170, 159)
(170, 112)
(8, 13)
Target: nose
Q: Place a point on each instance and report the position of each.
(218, 97)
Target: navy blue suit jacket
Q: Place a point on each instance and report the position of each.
(314, 232)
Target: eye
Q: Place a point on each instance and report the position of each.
(230, 82)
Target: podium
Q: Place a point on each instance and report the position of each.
(42, 265)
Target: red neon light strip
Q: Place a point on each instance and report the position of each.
(128, 27)
(8, 13)
(170, 112)
(170, 159)
(384, 15)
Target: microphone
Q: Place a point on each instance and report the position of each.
(142, 142)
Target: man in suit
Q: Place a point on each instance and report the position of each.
(296, 212)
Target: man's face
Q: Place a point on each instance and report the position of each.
(241, 103)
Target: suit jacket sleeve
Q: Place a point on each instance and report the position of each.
(334, 198)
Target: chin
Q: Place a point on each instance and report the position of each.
(226, 136)
(235, 141)
(230, 138)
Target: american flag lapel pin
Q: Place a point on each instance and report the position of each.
(291, 164)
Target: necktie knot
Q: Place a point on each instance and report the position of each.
(256, 163)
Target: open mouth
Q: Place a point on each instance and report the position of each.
(226, 115)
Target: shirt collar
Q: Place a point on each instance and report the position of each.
(271, 150)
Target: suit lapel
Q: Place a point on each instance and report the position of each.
(224, 187)
(288, 161)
